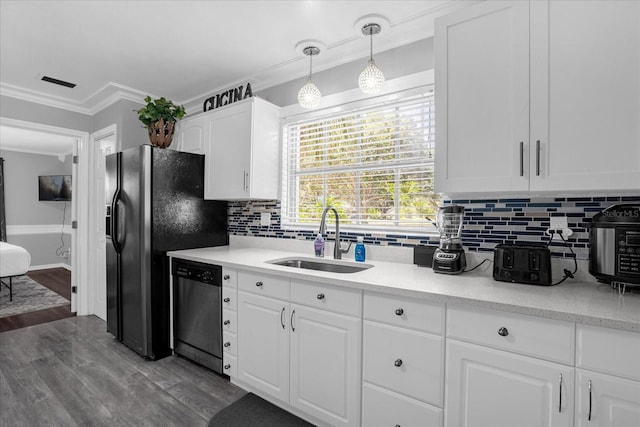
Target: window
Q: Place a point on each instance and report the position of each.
(373, 164)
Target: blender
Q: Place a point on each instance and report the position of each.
(449, 257)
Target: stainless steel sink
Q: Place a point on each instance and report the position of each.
(321, 265)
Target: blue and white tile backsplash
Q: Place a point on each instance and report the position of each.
(488, 222)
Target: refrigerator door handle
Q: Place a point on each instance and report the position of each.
(115, 219)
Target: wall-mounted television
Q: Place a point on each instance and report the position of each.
(56, 188)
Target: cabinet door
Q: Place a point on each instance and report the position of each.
(482, 98)
(585, 95)
(191, 135)
(325, 365)
(606, 401)
(263, 344)
(487, 387)
(228, 151)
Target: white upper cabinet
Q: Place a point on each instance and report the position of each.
(540, 96)
(242, 155)
(482, 106)
(190, 136)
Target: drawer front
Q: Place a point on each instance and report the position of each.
(229, 365)
(229, 277)
(229, 343)
(383, 408)
(608, 350)
(230, 298)
(533, 336)
(229, 321)
(326, 297)
(264, 284)
(405, 361)
(405, 312)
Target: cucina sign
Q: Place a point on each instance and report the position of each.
(228, 97)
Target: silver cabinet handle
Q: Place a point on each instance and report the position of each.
(560, 397)
(226, 367)
(227, 344)
(282, 318)
(259, 284)
(246, 176)
(398, 363)
(503, 332)
(399, 311)
(521, 158)
(227, 299)
(538, 157)
(320, 296)
(293, 327)
(227, 322)
(226, 277)
(590, 402)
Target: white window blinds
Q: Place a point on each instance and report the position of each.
(374, 165)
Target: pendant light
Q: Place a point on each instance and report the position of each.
(309, 95)
(371, 80)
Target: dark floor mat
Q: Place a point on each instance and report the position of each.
(253, 411)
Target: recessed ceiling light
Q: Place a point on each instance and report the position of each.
(58, 82)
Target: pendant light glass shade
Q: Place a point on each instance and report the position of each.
(371, 80)
(309, 95)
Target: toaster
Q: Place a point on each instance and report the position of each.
(516, 263)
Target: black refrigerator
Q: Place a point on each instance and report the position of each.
(155, 203)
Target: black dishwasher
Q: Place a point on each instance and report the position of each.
(197, 312)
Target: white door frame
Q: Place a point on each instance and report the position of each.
(96, 212)
(79, 207)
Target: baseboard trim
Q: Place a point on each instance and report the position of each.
(47, 266)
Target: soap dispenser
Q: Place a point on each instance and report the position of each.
(360, 252)
(318, 245)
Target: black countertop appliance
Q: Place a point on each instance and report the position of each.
(614, 251)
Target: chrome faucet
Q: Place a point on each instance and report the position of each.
(337, 248)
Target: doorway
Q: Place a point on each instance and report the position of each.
(79, 140)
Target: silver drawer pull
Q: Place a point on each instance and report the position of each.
(259, 284)
(320, 296)
(226, 322)
(227, 344)
(398, 363)
(399, 311)
(227, 299)
(226, 367)
(226, 277)
(560, 396)
(590, 401)
(503, 332)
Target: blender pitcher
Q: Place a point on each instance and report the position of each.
(449, 257)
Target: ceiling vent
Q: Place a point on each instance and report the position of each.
(58, 82)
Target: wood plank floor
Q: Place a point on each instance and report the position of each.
(71, 372)
(56, 279)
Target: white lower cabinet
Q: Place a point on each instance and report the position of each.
(607, 377)
(263, 344)
(494, 388)
(229, 322)
(402, 361)
(325, 365)
(305, 357)
(384, 408)
(606, 401)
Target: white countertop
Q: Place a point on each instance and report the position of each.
(574, 301)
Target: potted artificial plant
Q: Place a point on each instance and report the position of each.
(159, 116)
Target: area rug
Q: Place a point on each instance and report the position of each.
(253, 411)
(28, 295)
